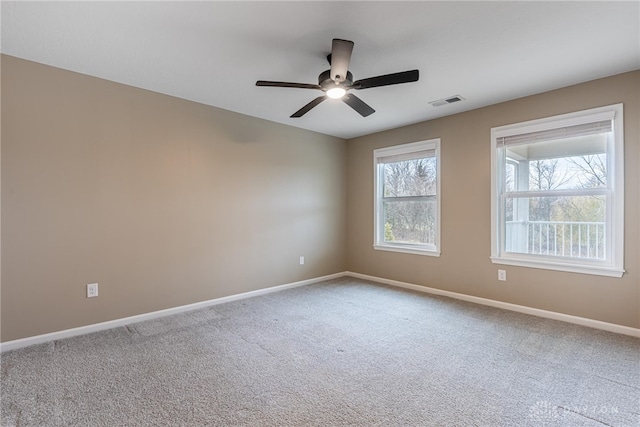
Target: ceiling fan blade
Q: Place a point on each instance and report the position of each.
(387, 79)
(287, 84)
(340, 58)
(304, 110)
(358, 104)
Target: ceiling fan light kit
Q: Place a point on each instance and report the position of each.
(338, 81)
(336, 92)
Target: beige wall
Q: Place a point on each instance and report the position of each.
(162, 201)
(464, 265)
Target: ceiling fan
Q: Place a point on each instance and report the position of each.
(338, 81)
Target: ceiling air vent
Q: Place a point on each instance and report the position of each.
(445, 101)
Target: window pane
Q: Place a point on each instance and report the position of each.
(564, 164)
(568, 173)
(410, 222)
(558, 226)
(410, 178)
(407, 199)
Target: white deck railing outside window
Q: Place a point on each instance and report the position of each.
(557, 238)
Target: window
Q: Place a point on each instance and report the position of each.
(557, 193)
(407, 198)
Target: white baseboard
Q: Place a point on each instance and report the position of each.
(596, 324)
(96, 327)
(82, 330)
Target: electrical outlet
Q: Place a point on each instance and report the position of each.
(301, 260)
(502, 275)
(92, 290)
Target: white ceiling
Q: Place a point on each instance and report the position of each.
(213, 52)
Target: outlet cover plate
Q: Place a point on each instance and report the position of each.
(92, 290)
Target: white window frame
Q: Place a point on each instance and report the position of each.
(404, 150)
(613, 266)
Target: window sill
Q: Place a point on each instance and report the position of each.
(407, 249)
(560, 266)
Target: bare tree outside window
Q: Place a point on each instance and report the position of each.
(408, 206)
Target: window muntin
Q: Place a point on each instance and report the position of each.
(407, 207)
(557, 193)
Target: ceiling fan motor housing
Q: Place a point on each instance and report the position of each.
(325, 82)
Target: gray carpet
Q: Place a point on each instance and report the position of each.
(338, 353)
